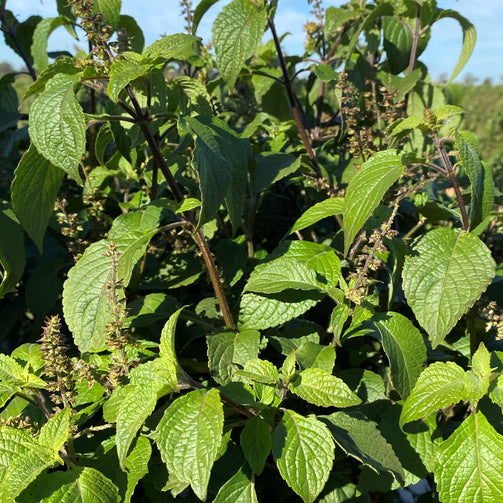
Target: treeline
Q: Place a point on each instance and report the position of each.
(483, 105)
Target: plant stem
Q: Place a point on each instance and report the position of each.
(287, 82)
(177, 192)
(415, 40)
(439, 144)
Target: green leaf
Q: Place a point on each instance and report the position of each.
(221, 160)
(11, 372)
(327, 208)
(359, 437)
(178, 46)
(167, 343)
(54, 433)
(338, 318)
(366, 189)
(22, 459)
(228, 348)
(188, 204)
(439, 385)
(123, 72)
(79, 485)
(481, 180)
(139, 400)
(470, 463)
(469, 38)
(34, 190)
(303, 450)
(271, 167)
(189, 435)
(281, 274)
(133, 32)
(335, 17)
(137, 465)
(200, 10)
(237, 31)
(259, 312)
(445, 275)
(321, 388)
(398, 44)
(406, 351)
(41, 39)
(256, 442)
(110, 9)
(240, 488)
(86, 308)
(261, 371)
(12, 256)
(57, 126)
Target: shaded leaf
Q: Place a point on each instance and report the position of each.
(34, 190)
(360, 438)
(406, 351)
(256, 442)
(12, 256)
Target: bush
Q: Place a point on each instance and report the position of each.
(257, 277)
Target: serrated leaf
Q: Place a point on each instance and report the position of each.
(256, 442)
(481, 180)
(167, 342)
(470, 463)
(57, 125)
(41, 39)
(110, 9)
(366, 189)
(439, 385)
(123, 72)
(237, 31)
(445, 275)
(221, 159)
(189, 435)
(335, 17)
(201, 8)
(321, 388)
(259, 312)
(469, 38)
(22, 459)
(338, 318)
(240, 488)
(303, 450)
(261, 371)
(406, 351)
(327, 208)
(178, 46)
(34, 190)
(138, 402)
(360, 438)
(228, 348)
(86, 308)
(79, 485)
(310, 354)
(281, 274)
(11, 372)
(137, 465)
(54, 433)
(12, 255)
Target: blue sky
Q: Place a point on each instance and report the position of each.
(158, 17)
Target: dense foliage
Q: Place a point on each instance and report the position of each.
(238, 276)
